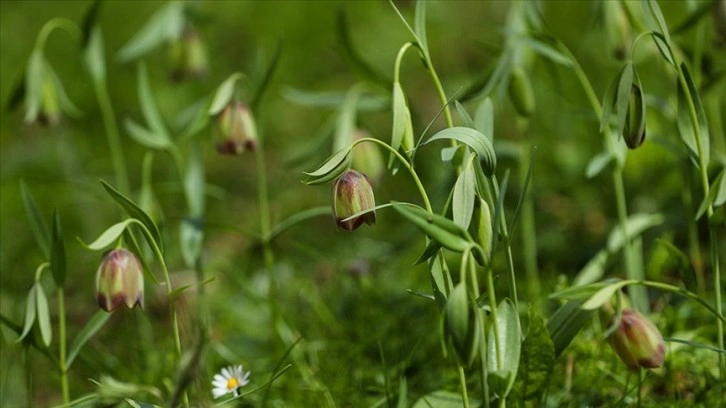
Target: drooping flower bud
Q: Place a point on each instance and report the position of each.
(352, 194)
(187, 56)
(520, 92)
(119, 280)
(461, 326)
(237, 129)
(367, 158)
(637, 341)
(634, 129)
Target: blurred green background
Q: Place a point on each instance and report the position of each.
(345, 294)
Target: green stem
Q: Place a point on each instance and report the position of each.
(112, 134)
(462, 382)
(399, 57)
(439, 91)
(640, 386)
(482, 327)
(509, 256)
(60, 23)
(172, 310)
(703, 171)
(62, 351)
(405, 164)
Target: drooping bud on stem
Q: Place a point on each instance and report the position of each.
(352, 193)
(187, 56)
(637, 341)
(634, 130)
(520, 92)
(120, 280)
(237, 129)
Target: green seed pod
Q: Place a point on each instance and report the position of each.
(481, 230)
(520, 92)
(461, 326)
(634, 130)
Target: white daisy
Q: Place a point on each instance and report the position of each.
(230, 380)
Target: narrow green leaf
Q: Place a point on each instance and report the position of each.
(224, 94)
(401, 121)
(37, 225)
(464, 194)
(148, 105)
(402, 393)
(582, 292)
(46, 332)
(441, 229)
(694, 17)
(94, 55)
(635, 225)
(664, 48)
(442, 399)
(109, 236)
(603, 295)
(700, 115)
(525, 188)
(565, 323)
(484, 118)
(598, 163)
(547, 51)
(333, 167)
(135, 211)
(474, 139)
(89, 330)
(58, 253)
(654, 18)
(502, 372)
(264, 83)
(164, 25)
(146, 137)
(89, 22)
(622, 98)
(30, 307)
(464, 115)
(432, 248)
(420, 26)
(710, 199)
(720, 186)
(695, 344)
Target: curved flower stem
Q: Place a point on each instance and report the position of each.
(265, 230)
(62, 346)
(405, 164)
(57, 23)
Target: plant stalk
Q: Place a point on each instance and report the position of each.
(62, 346)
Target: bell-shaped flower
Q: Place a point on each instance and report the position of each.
(119, 281)
(237, 129)
(352, 194)
(637, 341)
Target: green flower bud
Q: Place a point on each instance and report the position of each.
(50, 111)
(637, 341)
(237, 129)
(634, 130)
(352, 194)
(367, 158)
(119, 280)
(461, 326)
(187, 56)
(520, 92)
(480, 229)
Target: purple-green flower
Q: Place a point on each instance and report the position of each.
(120, 280)
(352, 194)
(637, 341)
(237, 129)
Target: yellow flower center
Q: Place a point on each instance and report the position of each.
(232, 383)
